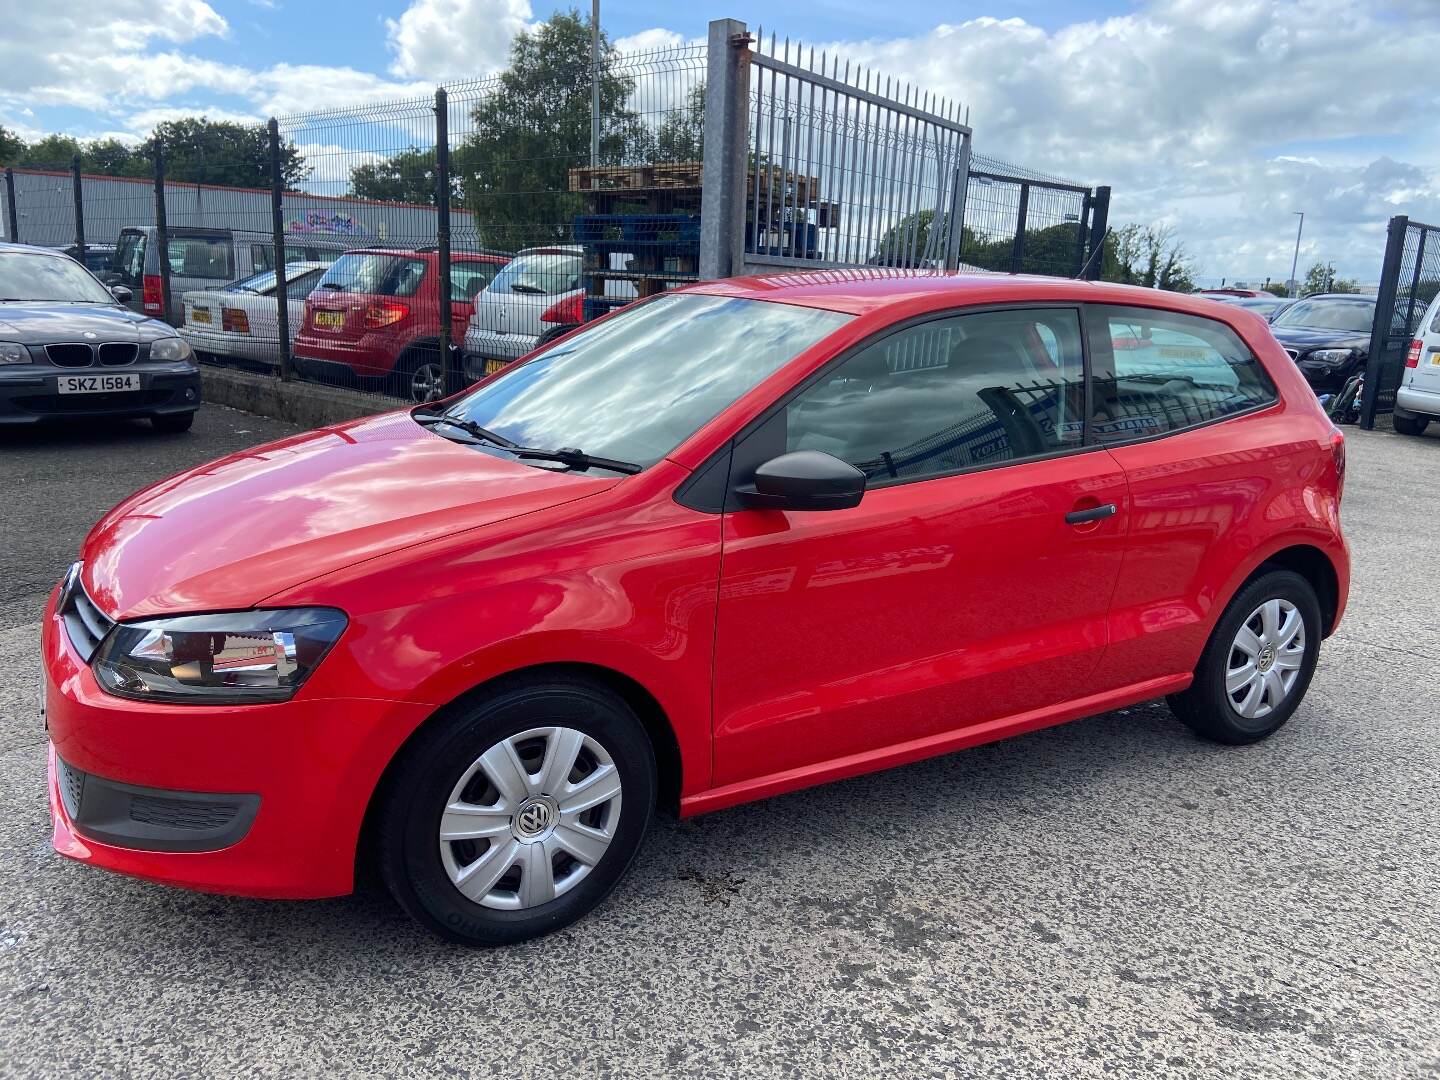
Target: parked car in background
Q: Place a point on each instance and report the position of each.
(536, 298)
(737, 539)
(1417, 401)
(374, 318)
(1266, 305)
(240, 320)
(199, 259)
(1231, 294)
(1328, 337)
(70, 349)
(98, 257)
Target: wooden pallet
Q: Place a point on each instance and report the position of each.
(679, 174)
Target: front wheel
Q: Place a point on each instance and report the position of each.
(1411, 425)
(1258, 663)
(515, 816)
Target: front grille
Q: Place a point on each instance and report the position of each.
(70, 355)
(115, 353)
(181, 813)
(85, 623)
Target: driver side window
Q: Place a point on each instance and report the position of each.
(949, 395)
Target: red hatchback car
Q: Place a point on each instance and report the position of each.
(374, 318)
(731, 541)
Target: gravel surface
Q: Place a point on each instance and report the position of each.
(1111, 897)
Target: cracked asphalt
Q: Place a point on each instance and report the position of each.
(1108, 898)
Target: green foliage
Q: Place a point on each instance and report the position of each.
(1148, 256)
(196, 150)
(408, 176)
(1275, 288)
(512, 169)
(1321, 278)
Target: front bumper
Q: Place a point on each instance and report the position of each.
(299, 773)
(1326, 378)
(30, 393)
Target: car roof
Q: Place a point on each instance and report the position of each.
(862, 290)
(33, 249)
(1361, 297)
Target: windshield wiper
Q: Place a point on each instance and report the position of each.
(525, 287)
(568, 456)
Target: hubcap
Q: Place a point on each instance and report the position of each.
(530, 818)
(425, 383)
(1265, 659)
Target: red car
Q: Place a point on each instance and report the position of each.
(725, 543)
(374, 318)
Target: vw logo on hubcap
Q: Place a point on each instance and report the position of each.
(534, 819)
(1266, 659)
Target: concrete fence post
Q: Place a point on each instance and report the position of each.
(722, 195)
(277, 240)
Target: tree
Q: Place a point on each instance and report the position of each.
(535, 126)
(1275, 288)
(681, 134)
(1321, 278)
(408, 176)
(1148, 256)
(199, 150)
(11, 146)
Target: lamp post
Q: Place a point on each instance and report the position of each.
(1295, 262)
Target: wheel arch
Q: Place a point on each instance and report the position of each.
(1316, 567)
(669, 766)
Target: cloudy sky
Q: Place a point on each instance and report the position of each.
(1216, 117)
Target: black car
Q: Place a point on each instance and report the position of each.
(1328, 336)
(69, 348)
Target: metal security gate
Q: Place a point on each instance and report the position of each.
(1409, 280)
(1020, 222)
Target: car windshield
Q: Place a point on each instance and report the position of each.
(545, 273)
(635, 386)
(36, 276)
(374, 273)
(1351, 315)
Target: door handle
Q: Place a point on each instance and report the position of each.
(1095, 513)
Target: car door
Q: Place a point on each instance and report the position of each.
(973, 581)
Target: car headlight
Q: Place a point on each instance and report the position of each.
(171, 348)
(246, 656)
(12, 352)
(1330, 357)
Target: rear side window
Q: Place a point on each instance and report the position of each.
(1157, 371)
(950, 395)
(201, 257)
(374, 274)
(129, 261)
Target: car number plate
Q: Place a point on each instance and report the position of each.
(492, 366)
(96, 384)
(330, 320)
(200, 315)
(1435, 359)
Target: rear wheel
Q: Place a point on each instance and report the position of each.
(1411, 425)
(173, 423)
(516, 815)
(1258, 663)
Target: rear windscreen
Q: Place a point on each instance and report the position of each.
(375, 274)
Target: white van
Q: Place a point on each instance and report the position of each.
(1417, 401)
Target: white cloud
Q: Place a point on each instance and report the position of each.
(447, 39)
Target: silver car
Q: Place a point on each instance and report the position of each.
(239, 321)
(537, 292)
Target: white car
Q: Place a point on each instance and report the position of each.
(539, 292)
(1417, 401)
(239, 321)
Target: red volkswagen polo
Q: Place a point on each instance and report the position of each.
(729, 542)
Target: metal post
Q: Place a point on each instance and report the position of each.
(442, 229)
(277, 234)
(594, 82)
(1384, 316)
(79, 192)
(1099, 226)
(10, 206)
(1081, 229)
(1017, 252)
(722, 196)
(955, 218)
(162, 233)
(1295, 262)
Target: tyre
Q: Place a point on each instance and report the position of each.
(1258, 663)
(173, 423)
(513, 816)
(1411, 425)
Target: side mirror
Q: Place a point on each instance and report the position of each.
(121, 293)
(804, 480)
